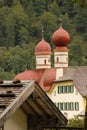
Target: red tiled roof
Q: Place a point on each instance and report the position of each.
(44, 77)
(30, 75)
(47, 79)
(43, 47)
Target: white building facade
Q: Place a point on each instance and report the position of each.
(67, 98)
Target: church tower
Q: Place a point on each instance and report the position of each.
(60, 39)
(43, 54)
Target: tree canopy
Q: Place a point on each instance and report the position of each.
(21, 22)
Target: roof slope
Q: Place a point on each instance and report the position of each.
(68, 74)
(79, 77)
(32, 100)
(44, 77)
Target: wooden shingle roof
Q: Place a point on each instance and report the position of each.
(29, 96)
(79, 77)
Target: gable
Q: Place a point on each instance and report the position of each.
(31, 98)
(78, 75)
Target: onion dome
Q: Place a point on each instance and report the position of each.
(61, 37)
(42, 47)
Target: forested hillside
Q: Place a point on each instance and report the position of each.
(21, 23)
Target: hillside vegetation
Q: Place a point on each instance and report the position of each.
(21, 23)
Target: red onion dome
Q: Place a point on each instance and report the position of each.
(61, 37)
(42, 47)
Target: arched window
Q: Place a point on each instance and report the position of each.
(45, 62)
(57, 59)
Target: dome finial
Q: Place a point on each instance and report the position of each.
(60, 19)
(42, 32)
(26, 66)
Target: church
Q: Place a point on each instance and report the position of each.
(44, 73)
(65, 85)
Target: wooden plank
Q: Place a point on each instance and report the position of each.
(61, 118)
(7, 95)
(42, 106)
(45, 107)
(27, 109)
(17, 102)
(32, 108)
(11, 85)
(2, 105)
(23, 110)
(36, 107)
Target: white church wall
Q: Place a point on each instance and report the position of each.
(61, 58)
(43, 61)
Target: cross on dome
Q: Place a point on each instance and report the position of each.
(60, 21)
(42, 32)
(43, 46)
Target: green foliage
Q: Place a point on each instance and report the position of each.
(54, 8)
(17, 22)
(3, 36)
(82, 3)
(16, 59)
(48, 21)
(68, 7)
(4, 75)
(41, 5)
(76, 122)
(21, 23)
(8, 3)
(77, 52)
(81, 21)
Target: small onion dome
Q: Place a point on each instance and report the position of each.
(61, 37)
(42, 47)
